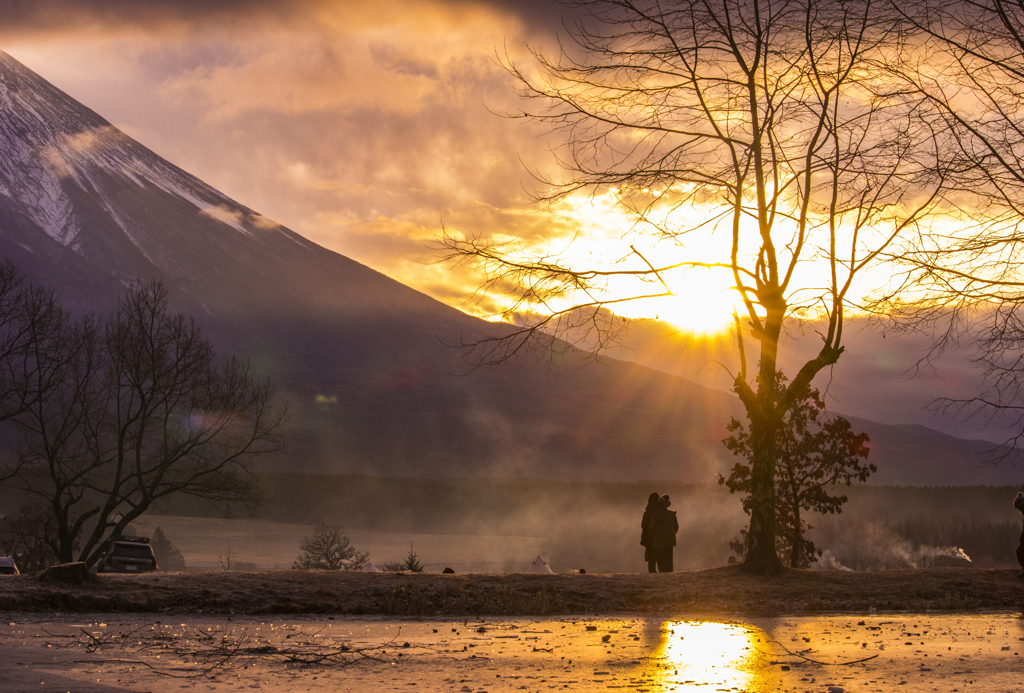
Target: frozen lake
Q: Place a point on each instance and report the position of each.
(834, 654)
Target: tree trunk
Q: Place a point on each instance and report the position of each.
(797, 535)
(762, 557)
(765, 418)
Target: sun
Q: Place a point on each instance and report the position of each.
(699, 305)
(705, 312)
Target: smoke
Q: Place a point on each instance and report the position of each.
(877, 546)
(828, 561)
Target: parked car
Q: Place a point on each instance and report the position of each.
(8, 566)
(127, 555)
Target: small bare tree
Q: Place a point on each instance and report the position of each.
(328, 548)
(758, 139)
(30, 537)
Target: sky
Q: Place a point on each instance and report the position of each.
(371, 127)
(366, 127)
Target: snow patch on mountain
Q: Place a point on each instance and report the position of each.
(49, 142)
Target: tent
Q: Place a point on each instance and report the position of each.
(539, 567)
(370, 568)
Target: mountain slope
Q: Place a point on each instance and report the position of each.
(363, 358)
(366, 362)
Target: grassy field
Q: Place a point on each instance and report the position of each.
(715, 591)
(208, 543)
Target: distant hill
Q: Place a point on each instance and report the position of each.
(367, 362)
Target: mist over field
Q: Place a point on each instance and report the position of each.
(500, 525)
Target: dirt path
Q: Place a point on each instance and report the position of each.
(828, 654)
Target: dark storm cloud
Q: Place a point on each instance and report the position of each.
(548, 15)
(54, 16)
(20, 17)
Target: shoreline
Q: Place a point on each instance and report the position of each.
(724, 590)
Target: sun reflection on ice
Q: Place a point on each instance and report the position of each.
(722, 656)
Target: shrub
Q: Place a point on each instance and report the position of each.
(329, 549)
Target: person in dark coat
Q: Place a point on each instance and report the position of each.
(661, 535)
(1018, 503)
(645, 526)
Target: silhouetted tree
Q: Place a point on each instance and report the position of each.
(758, 139)
(133, 411)
(29, 537)
(964, 276)
(32, 324)
(328, 548)
(816, 453)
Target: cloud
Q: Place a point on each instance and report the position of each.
(312, 111)
(225, 215)
(72, 146)
(367, 127)
(87, 140)
(53, 17)
(318, 71)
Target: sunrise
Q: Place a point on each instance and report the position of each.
(474, 346)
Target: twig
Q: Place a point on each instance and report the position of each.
(216, 653)
(56, 635)
(814, 661)
(138, 662)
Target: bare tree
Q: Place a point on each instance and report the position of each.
(766, 125)
(134, 411)
(30, 537)
(328, 548)
(15, 324)
(31, 323)
(56, 461)
(965, 275)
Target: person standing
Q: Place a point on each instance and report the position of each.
(645, 530)
(661, 535)
(1018, 503)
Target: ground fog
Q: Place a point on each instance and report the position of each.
(500, 525)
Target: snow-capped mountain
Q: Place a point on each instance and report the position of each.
(95, 193)
(364, 360)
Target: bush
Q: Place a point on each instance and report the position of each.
(329, 549)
